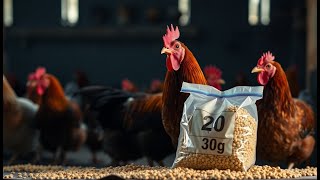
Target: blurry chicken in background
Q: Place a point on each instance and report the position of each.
(182, 66)
(32, 94)
(287, 123)
(80, 80)
(292, 77)
(241, 79)
(213, 76)
(59, 122)
(129, 86)
(94, 130)
(306, 96)
(20, 135)
(107, 105)
(95, 134)
(132, 124)
(143, 116)
(156, 86)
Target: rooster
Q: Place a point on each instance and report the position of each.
(286, 125)
(214, 76)
(181, 66)
(19, 133)
(58, 120)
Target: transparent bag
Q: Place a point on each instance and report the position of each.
(218, 129)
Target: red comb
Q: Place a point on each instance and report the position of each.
(127, 84)
(37, 74)
(171, 35)
(211, 70)
(265, 58)
(42, 83)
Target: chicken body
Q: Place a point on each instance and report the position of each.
(286, 125)
(95, 135)
(59, 121)
(20, 135)
(144, 116)
(132, 124)
(182, 67)
(93, 130)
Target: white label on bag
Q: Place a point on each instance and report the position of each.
(211, 133)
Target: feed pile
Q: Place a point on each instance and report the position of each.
(145, 172)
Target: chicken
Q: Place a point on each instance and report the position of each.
(144, 117)
(32, 94)
(132, 124)
(95, 134)
(58, 120)
(129, 86)
(156, 86)
(213, 76)
(108, 106)
(181, 66)
(94, 130)
(287, 123)
(80, 80)
(19, 133)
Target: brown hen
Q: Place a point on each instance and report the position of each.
(58, 120)
(286, 124)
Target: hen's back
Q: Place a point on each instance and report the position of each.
(24, 137)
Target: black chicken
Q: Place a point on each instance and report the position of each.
(132, 124)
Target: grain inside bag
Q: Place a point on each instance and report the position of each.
(218, 129)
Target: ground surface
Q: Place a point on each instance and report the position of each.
(83, 158)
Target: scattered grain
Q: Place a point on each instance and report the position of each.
(145, 172)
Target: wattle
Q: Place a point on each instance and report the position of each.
(263, 78)
(172, 63)
(169, 64)
(40, 90)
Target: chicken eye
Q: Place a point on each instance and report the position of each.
(177, 45)
(268, 66)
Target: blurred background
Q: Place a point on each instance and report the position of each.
(110, 41)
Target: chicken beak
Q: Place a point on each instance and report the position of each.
(221, 81)
(166, 50)
(256, 70)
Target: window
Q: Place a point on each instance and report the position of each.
(185, 10)
(265, 12)
(69, 12)
(253, 13)
(7, 13)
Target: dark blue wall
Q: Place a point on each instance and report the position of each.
(224, 39)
